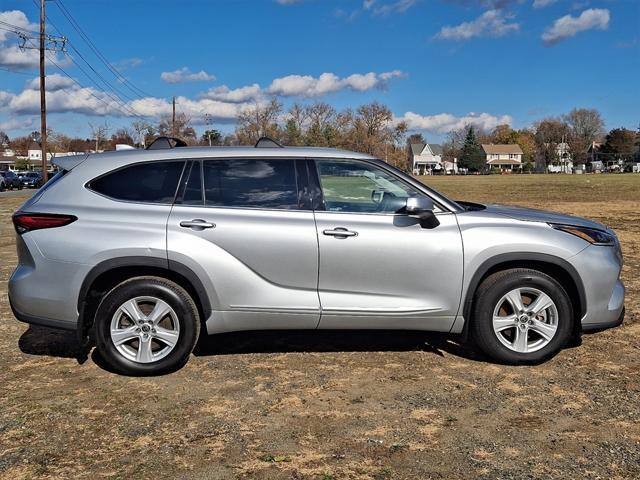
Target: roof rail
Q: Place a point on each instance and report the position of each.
(164, 143)
(266, 142)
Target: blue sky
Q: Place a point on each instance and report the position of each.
(436, 63)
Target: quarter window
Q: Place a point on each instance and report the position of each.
(250, 183)
(144, 182)
(358, 187)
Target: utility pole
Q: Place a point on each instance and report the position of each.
(43, 99)
(173, 118)
(46, 43)
(207, 121)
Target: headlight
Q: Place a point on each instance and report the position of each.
(591, 235)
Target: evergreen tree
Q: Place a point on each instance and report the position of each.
(471, 155)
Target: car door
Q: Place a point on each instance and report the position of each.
(380, 268)
(242, 227)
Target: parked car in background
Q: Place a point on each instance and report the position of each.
(3, 185)
(31, 180)
(11, 179)
(148, 248)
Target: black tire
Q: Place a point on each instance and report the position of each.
(166, 290)
(489, 293)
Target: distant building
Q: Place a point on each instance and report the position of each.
(425, 158)
(506, 157)
(564, 162)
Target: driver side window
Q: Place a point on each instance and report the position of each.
(358, 187)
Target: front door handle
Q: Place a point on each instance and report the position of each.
(197, 224)
(340, 232)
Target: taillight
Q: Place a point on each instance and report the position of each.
(25, 222)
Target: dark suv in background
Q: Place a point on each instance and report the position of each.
(11, 180)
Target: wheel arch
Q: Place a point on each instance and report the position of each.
(555, 267)
(109, 273)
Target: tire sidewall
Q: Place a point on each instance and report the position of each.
(487, 301)
(180, 302)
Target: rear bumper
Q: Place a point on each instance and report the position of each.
(41, 321)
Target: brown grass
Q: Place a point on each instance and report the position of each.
(354, 405)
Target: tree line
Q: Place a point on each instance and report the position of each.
(370, 128)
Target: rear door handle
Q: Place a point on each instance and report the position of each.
(340, 232)
(197, 224)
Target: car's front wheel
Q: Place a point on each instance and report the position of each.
(146, 326)
(521, 316)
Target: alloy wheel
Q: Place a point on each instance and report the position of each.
(145, 329)
(525, 320)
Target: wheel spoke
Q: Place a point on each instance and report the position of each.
(132, 310)
(120, 336)
(546, 330)
(514, 297)
(160, 311)
(520, 342)
(170, 337)
(144, 353)
(540, 304)
(503, 323)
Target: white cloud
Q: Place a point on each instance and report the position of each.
(10, 54)
(569, 26)
(446, 122)
(17, 18)
(53, 82)
(308, 86)
(16, 124)
(127, 63)
(222, 103)
(493, 23)
(543, 3)
(185, 75)
(288, 2)
(237, 95)
(65, 96)
(397, 6)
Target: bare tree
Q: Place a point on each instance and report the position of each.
(261, 120)
(99, 133)
(586, 126)
(181, 128)
(297, 119)
(549, 133)
(321, 132)
(144, 132)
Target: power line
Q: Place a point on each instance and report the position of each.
(110, 91)
(20, 72)
(136, 91)
(16, 27)
(102, 100)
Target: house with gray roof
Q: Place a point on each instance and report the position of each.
(425, 158)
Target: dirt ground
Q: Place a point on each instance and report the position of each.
(327, 406)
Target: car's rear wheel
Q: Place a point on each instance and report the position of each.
(146, 326)
(521, 316)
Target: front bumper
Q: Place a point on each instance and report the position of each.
(598, 327)
(599, 268)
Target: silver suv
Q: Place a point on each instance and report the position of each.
(146, 248)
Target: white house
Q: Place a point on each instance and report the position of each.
(506, 157)
(564, 163)
(425, 159)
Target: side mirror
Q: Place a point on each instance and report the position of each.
(422, 207)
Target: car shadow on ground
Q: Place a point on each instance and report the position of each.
(51, 342)
(44, 341)
(281, 341)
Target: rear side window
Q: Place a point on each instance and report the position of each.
(250, 183)
(145, 182)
